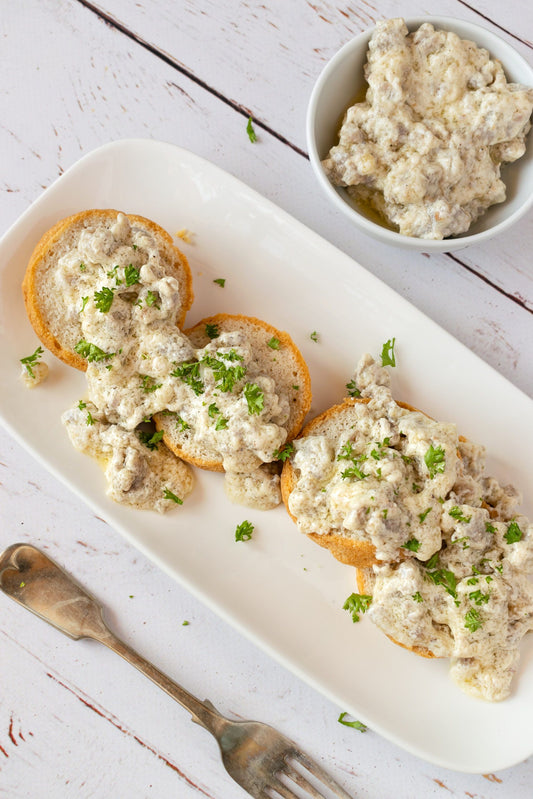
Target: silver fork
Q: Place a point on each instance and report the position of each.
(258, 757)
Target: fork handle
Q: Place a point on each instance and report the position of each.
(203, 713)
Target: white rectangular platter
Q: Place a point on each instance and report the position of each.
(280, 589)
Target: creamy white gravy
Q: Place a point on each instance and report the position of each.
(456, 555)
(426, 146)
(127, 307)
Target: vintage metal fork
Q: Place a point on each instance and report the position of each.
(259, 758)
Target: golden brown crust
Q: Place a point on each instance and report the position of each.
(364, 585)
(225, 321)
(50, 239)
(350, 551)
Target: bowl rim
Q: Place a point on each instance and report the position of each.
(372, 228)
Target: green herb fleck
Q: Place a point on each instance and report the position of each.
(103, 299)
(513, 534)
(478, 597)
(148, 384)
(132, 275)
(473, 620)
(418, 597)
(189, 372)
(243, 531)
(357, 725)
(353, 391)
(84, 301)
(356, 604)
(284, 452)
(250, 130)
(273, 343)
(31, 360)
(489, 527)
(152, 300)
(149, 439)
(413, 545)
(254, 398)
(314, 336)
(456, 513)
(435, 460)
(212, 331)
(168, 494)
(91, 352)
(422, 516)
(387, 353)
(220, 281)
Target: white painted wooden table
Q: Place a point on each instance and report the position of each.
(75, 721)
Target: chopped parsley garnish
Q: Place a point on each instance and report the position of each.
(82, 405)
(132, 275)
(103, 299)
(513, 534)
(82, 266)
(456, 513)
(284, 452)
(152, 300)
(356, 604)
(422, 516)
(432, 562)
(90, 419)
(250, 130)
(84, 301)
(413, 545)
(189, 372)
(445, 578)
(149, 439)
(347, 453)
(212, 331)
(357, 725)
(225, 376)
(221, 424)
(489, 527)
(314, 336)
(220, 281)
(418, 597)
(181, 424)
(149, 385)
(91, 352)
(168, 494)
(435, 460)
(478, 597)
(385, 512)
(273, 343)
(387, 353)
(212, 411)
(254, 398)
(353, 391)
(32, 360)
(243, 531)
(473, 620)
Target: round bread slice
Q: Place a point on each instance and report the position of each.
(276, 355)
(351, 551)
(47, 311)
(365, 584)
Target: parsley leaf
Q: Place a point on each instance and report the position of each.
(273, 343)
(152, 300)
(254, 398)
(387, 353)
(212, 331)
(31, 360)
(473, 620)
(103, 299)
(189, 372)
(148, 384)
(91, 352)
(243, 531)
(478, 597)
(356, 604)
(221, 281)
(357, 725)
(435, 460)
(513, 534)
(456, 513)
(353, 391)
(284, 452)
(422, 516)
(250, 130)
(150, 439)
(413, 545)
(132, 275)
(314, 336)
(168, 494)
(418, 597)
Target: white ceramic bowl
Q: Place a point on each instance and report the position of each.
(342, 79)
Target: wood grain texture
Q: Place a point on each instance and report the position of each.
(74, 720)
